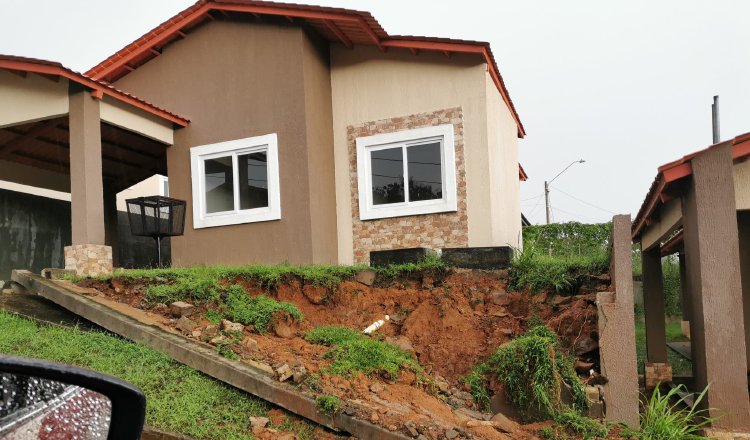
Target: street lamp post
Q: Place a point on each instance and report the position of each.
(546, 185)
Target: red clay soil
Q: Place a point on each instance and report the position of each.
(451, 324)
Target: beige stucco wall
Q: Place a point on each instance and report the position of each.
(369, 85)
(148, 187)
(31, 98)
(741, 174)
(504, 185)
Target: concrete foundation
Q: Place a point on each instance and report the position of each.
(488, 258)
(656, 373)
(399, 256)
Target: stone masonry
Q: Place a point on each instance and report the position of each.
(89, 259)
(435, 231)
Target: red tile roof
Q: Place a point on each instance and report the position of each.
(671, 173)
(346, 26)
(44, 67)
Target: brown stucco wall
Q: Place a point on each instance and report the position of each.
(616, 322)
(713, 273)
(435, 231)
(236, 80)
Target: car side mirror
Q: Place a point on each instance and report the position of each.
(48, 400)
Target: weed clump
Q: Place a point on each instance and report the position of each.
(432, 263)
(258, 311)
(328, 404)
(664, 420)
(534, 372)
(351, 351)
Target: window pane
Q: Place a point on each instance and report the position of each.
(219, 185)
(253, 177)
(387, 176)
(425, 172)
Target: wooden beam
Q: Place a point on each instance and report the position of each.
(447, 53)
(154, 51)
(180, 33)
(414, 51)
(339, 34)
(14, 144)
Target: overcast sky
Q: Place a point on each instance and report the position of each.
(626, 85)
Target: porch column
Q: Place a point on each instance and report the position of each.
(743, 226)
(657, 368)
(712, 260)
(111, 230)
(88, 254)
(684, 298)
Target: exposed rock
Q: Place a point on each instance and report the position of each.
(504, 424)
(196, 334)
(315, 294)
(377, 388)
(472, 414)
(583, 367)
(411, 427)
(500, 298)
(283, 330)
(179, 309)
(592, 393)
(284, 372)
(184, 324)
(250, 344)
(585, 345)
(463, 395)
(500, 404)
(259, 421)
(160, 308)
(451, 434)
(117, 285)
(374, 417)
(211, 331)
(401, 342)
(231, 327)
(456, 402)
(299, 375)
(366, 276)
(218, 340)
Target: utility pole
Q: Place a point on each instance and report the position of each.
(546, 198)
(546, 185)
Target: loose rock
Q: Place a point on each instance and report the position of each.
(585, 345)
(185, 324)
(283, 330)
(179, 309)
(284, 372)
(231, 327)
(366, 277)
(377, 388)
(259, 421)
(451, 434)
(211, 331)
(250, 344)
(401, 342)
(504, 424)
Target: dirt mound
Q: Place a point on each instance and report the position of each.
(451, 323)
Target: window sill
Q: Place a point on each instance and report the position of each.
(441, 206)
(255, 216)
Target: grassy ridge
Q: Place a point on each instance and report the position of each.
(179, 398)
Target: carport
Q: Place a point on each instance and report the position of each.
(699, 207)
(63, 131)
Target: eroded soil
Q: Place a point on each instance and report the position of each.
(450, 323)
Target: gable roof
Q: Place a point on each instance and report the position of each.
(345, 26)
(99, 88)
(670, 174)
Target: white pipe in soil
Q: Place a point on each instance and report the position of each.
(375, 325)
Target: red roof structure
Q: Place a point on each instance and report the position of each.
(671, 174)
(99, 88)
(345, 26)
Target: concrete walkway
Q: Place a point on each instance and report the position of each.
(42, 310)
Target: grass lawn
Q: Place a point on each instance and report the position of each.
(179, 398)
(680, 365)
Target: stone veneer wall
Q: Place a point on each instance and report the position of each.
(448, 229)
(89, 259)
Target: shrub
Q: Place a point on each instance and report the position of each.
(351, 351)
(532, 369)
(570, 239)
(432, 263)
(663, 420)
(328, 405)
(260, 311)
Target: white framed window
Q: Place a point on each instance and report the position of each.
(236, 182)
(408, 172)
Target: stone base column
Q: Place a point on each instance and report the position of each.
(656, 373)
(685, 328)
(89, 259)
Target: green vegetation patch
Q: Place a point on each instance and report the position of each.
(178, 398)
(432, 263)
(352, 351)
(570, 424)
(666, 417)
(328, 405)
(532, 369)
(570, 239)
(537, 272)
(259, 311)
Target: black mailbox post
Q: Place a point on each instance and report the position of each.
(156, 217)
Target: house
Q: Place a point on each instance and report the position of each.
(699, 208)
(295, 133)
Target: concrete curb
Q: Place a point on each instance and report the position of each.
(203, 359)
